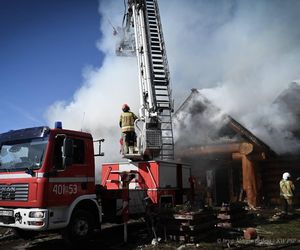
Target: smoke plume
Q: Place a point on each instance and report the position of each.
(96, 105)
(243, 53)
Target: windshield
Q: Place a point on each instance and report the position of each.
(22, 155)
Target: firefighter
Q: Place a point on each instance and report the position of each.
(126, 123)
(287, 190)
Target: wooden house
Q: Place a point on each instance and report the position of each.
(233, 163)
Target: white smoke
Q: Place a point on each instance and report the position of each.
(247, 51)
(96, 105)
(244, 53)
(198, 121)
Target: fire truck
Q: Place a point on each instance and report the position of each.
(47, 175)
(47, 182)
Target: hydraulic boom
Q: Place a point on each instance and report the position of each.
(142, 31)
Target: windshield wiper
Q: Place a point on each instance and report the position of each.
(30, 171)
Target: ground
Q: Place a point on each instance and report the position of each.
(274, 231)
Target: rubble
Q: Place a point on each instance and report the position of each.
(281, 234)
(190, 226)
(231, 215)
(250, 233)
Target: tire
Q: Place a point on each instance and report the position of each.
(80, 228)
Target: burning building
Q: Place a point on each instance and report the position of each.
(232, 162)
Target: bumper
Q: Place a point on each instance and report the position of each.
(24, 218)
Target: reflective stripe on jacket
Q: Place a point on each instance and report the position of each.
(127, 121)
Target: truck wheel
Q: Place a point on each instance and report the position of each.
(80, 227)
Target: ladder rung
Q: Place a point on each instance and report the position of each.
(153, 22)
(155, 43)
(154, 39)
(155, 47)
(159, 73)
(158, 56)
(163, 102)
(161, 87)
(158, 66)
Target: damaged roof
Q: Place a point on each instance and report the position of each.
(209, 125)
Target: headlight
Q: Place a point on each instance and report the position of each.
(37, 214)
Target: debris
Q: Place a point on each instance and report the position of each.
(250, 233)
(190, 226)
(230, 214)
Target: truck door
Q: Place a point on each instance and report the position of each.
(68, 178)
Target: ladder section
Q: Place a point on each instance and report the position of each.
(158, 59)
(167, 150)
(160, 77)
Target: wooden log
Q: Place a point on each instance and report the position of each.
(243, 148)
(250, 184)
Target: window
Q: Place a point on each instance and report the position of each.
(22, 154)
(58, 152)
(78, 151)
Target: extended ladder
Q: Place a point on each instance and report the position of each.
(153, 69)
(160, 77)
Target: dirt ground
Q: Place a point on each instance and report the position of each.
(274, 231)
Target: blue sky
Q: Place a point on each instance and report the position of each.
(44, 47)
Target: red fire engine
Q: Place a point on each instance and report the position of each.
(47, 181)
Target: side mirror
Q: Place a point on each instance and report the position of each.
(67, 152)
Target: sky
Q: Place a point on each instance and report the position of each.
(58, 62)
(44, 48)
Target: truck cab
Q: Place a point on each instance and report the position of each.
(47, 181)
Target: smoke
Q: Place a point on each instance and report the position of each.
(238, 46)
(244, 53)
(96, 105)
(199, 116)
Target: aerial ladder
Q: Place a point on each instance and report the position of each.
(142, 36)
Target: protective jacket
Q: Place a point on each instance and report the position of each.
(127, 121)
(287, 188)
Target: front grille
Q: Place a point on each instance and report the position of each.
(14, 192)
